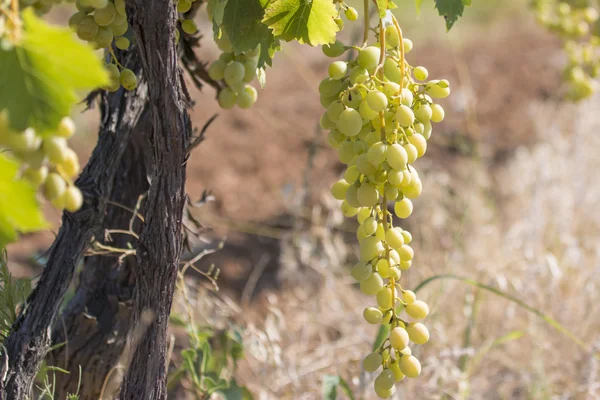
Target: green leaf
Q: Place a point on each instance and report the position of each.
(19, 209)
(235, 392)
(450, 10)
(382, 7)
(242, 24)
(330, 385)
(382, 334)
(218, 10)
(466, 2)
(40, 75)
(346, 388)
(310, 22)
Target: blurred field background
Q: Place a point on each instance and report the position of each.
(510, 200)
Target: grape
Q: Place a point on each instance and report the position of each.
(367, 195)
(128, 79)
(348, 210)
(183, 6)
(392, 37)
(395, 368)
(421, 73)
(412, 153)
(362, 216)
(346, 152)
(408, 45)
(70, 165)
(413, 190)
(423, 113)
(247, 97)
(325, 123)
(420, 144)
(36, 176)
(54, 186)
(409, 296)
(340, 23)
(418, 333)
(122, 43)
(352, 98)
(405, 116)
(418, 310)
(349, 122)
(84, 8)
(352, 197)
(407, 97)
(382, 392)
(391, 70)
(216, 71)
(370, 226)
(351, 174)
(366, 112)
(383, 268)
(87, 29)
(119, 28)
(250, 66)
(406, 252)
(380, 233)
(105, 16)
(330, 87)
(437, 113)
(385, 298)
(358, 75)
(334, 50)
(189, 26)
(361, 271)
(351, 14)
(72, 199)
(23, 142)
(410, 366)
(234, 73)
(359, 147)
(399, 338)
(377, 154)
(104, 37)
(372, 315)
(370, 248)
(403, 208)
(55, 148)
(338, 69)
(385, 380)
(395, 273)
(76, 19)
(66, 128)
(97, 4)
(120, 7)
(394, 238)
(373, 283)
(377, 101)
(369, 57)
(227, 98)
(334, 110)
(397, 157)
(372, 362)
(437, 89)
(339, 189)
(335, 138)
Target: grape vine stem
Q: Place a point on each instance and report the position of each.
(366, 31)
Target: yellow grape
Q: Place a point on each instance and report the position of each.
(372, 315)
(394, 238)
(418, 332)
(410, 366)
(361, 271)
(403, 208)
(54, 186)
(372, 284)
(72, 199)
(418, 309)
(128, 79)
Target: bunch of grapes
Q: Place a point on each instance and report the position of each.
(379, 115)
(187, 25)
(47, 161)
(100, 23)
(577, 22)
(40, 6)
(236, 71)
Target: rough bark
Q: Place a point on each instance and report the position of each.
(160, 242)
(94, 326)
(30, 336)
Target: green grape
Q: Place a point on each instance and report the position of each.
(407, 97)
(385, 380)
(420, 144)
(421, 73)
(399, 338)
(189, 26)
(104, 37)
(391, 193)
(423, 113)
(97, 4)
(395, 273)
(361, 271)
(351, 14)
(373, 283)
(119, 29)
(183, 6)
(346, 152)
(437, 89)
(390, 89)
(372, 362)
(122, 43)
(384, 298)
(36, 176)
(55, 148)
(380, 233)
(413, 190)
(66, 128)
(119, 20)
(383, 268)
(437, 113)
(383, 393)
(227, 98)
(408, 45)
(405, 116)
(367, 195)
(87, 29)
(403, 208)
(347, 210)
(334, 50)
(352, 98)
(370, 248)
(70, 166)
(325, 123)
(364, 166)
(359, 147)
(23, 142)
(76, 19)
(370, 226)
(216, 71)
(412, 153)
(407, 237)
(392, 37)
(418, 333)
(335, 138)
(377, 100)
(334, 110)
(372, 315)
(83, 7)
(366, 112)
(358, 75)
(391, 70)
(128, 79)
(54, 186)
(234, 73)
(410, 366)
(330, 87)
(394, 366)
(250, 66)
(339, 189)
(362, 216)
(397, 157)
(394, 238)
(377, 153)
(406, 252)
(338, 69)
(105, 16)
(247, 97)
(339, 22)
(72, 199)
(120, 7)
(352, 197)
(369, 57)
(349, 122)
(418, 309)
(351, 174)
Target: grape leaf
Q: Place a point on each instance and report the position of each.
(451, 10)
(40, 75)
(242, 24)
(310, 22)
(218, 10)
(19, 209)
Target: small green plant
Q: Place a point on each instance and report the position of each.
(13, 294)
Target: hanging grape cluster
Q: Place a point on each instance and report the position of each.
(379, 115)
(48, 162)
(577, 22)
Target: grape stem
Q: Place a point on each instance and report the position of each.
(366, 31)
(114, 57)
(402, 62)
